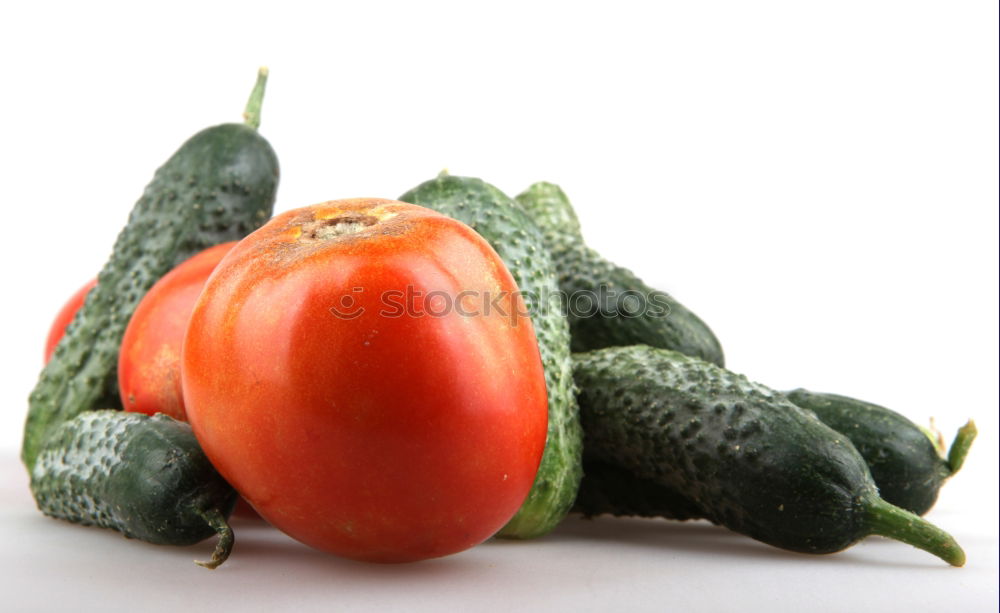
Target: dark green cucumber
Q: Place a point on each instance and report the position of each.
(609, 305)
(739, 452)
(514, 237)
(908, 466)
(607, 489)
(145, 477)
(218, 187)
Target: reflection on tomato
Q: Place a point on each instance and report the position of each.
(65, 317)
(149, 363)
(376, 433)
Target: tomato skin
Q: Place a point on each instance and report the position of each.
(149, 363)
(65, 317)
(378, 438)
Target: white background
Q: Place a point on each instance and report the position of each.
(818, 180)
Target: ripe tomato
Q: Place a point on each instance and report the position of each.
(64, 317)
(149, 363)
(356, 424)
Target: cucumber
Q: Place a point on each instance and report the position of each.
(625, 310)
(908, 466)
(738, 452)
(907, 463)
(145, 477)
(514, 237)
(607, 489)
(218, 187)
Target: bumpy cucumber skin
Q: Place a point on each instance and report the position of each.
(218, 187)
(583, 270)
(904, 463)
(906, 466)
(514, 237)
(145, 477)
(742, 454)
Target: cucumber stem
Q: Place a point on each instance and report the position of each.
(960, 446)
(889, 520)
(251, 115)
(224, 547)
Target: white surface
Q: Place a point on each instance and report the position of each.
(816, 180)
(596, 565)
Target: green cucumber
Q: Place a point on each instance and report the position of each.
(609, 305)
(608, 489)
(145, 477)
(908, 466)
(514, 237)
(740, 453)
(218, 187)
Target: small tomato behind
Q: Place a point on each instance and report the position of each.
(65, 317)
(149, 363)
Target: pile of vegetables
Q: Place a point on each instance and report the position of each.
(395, 380)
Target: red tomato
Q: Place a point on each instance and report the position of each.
(149, 363)
(357, 425)
(64, 317)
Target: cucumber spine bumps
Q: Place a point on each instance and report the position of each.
(908, 466)
(741, 454)
(145, 477)
(657, 320)
(218, 187)
(515, 238)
